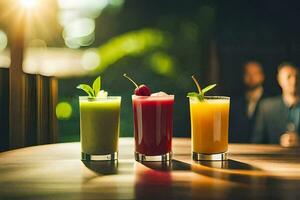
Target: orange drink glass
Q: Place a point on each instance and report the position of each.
(209, 124)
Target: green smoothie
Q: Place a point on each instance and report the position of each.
(99, 125)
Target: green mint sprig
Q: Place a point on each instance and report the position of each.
(92, 92)
(201, 92)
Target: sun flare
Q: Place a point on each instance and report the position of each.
(28, 4)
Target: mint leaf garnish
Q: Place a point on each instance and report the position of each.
(93, 91)
(207, 88)
(196, 95)
(97, 85)
(192, 94)
(201, 92)
(87, 89)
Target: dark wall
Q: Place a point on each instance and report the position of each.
(266, 31)
(4, 102)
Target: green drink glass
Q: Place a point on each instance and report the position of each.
(99, 127)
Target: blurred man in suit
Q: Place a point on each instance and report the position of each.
(243, 109)
(280, 116)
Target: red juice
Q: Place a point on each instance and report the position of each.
(153, 124)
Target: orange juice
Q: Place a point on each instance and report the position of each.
(209, 124)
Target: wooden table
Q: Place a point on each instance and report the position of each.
(56, 172)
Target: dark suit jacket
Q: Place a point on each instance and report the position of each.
(241, 127)
(271, 121)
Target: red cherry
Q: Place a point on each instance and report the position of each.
(142, 90)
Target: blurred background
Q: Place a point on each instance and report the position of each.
(158, 43)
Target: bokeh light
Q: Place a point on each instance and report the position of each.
(30, 66)
(78, 20)
(90, 60)
(4, 59)
(79, 28)
(48, 69)
(3, 40)
(63, 110)
(80, 32)
(67, 16)
(86, 8)
(162, 63)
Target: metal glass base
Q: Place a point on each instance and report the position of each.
(160, 158)
(210, 157)
(89, 157)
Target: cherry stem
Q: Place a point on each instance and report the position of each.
(125, 75)
(197, 84)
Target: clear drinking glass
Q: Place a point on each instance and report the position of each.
(99, 127)
(209, 124)
(153, 127)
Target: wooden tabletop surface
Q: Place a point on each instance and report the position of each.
(56, 172)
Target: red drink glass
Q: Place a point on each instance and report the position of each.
(153, 127)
